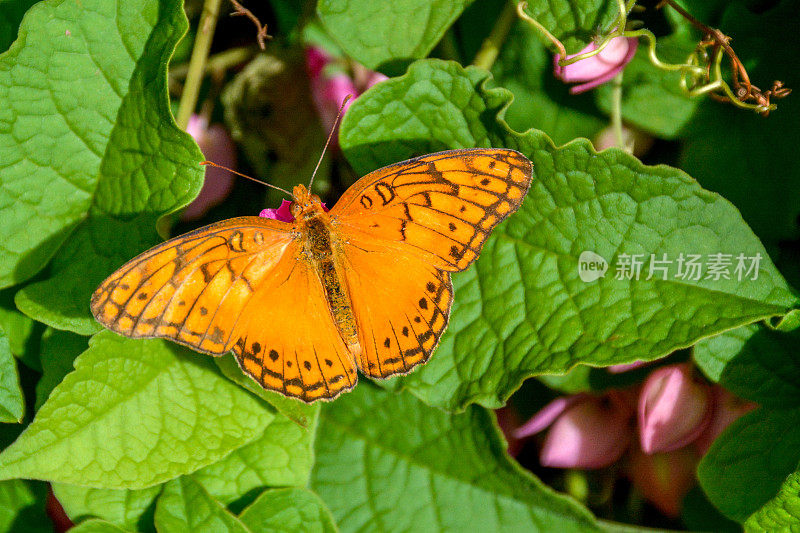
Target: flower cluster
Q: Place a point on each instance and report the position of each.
(675, 415)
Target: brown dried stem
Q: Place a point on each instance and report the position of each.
(262, 35)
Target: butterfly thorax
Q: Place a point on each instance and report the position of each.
(322, 250)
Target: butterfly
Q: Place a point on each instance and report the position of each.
(305, 304)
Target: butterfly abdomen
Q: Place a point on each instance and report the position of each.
(321, 252)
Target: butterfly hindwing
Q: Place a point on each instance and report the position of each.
(401, 305)
(442, 206)
(193, 288)
(290, 344)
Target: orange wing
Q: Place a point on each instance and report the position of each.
(236, 285)
(401, 305)
(290, 343)
(405, 228)
(441, 206)
(193, 289)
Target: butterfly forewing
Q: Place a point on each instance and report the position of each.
(194, 288)
(443, 206)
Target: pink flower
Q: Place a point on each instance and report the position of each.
(217, 146)
(597, 69)
(663, 478)
(674, 408)
(586, 432)
(283, 213)
(330, 83)
(727, 409)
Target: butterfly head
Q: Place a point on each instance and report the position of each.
(305, 204)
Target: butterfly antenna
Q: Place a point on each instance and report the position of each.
(246, 176)
(330, 136)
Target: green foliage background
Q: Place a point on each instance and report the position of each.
(144, 434)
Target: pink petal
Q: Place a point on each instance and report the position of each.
(507, 420)
(216, 144)
(591, 434)
(316, 60)
(619, 369)
(374, 78)
(547, 415)
(674, 409)
(664, 478)
(727, 410)
(283, 213)
(328, 94)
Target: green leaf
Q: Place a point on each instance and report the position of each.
(97, 526)
(747, 464)
(575, 22)
(781, 513)
(522, 309)
(755, 362)
(90, 156)
(184, 505)
(128, 509)
(58, 351)
(525, 67)
(750, 159)
(12, 402)
(21, 330)
(22, 507)
(387, 36)
(290, 510)
(133, 414)
(698, 514)
(299, 412)
(282, 456)
(388, 462)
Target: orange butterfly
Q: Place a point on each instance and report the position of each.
(303, 305)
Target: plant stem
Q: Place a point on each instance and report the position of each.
(616, 111)
(222, 61)
(490, 48)
(194, 76)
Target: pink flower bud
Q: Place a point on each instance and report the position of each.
(597, 69)
(727, 409)
(674, 409)
(591, 433)
(217, 146)
(663, 478)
